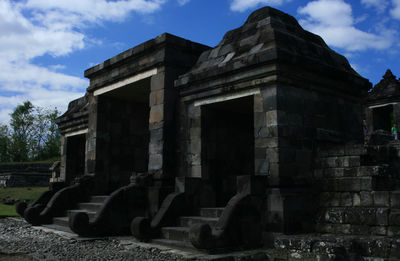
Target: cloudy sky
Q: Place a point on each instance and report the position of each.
(45, 45)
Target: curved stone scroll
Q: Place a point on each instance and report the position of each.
(172, 207)
(239, 226)
(39, 203)
(59, 202)
(115, 215)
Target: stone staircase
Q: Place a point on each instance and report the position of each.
(357, 194)
(91, 208)
(178, 236)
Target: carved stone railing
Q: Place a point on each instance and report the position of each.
(239, 226)
(51, 204)
(172, 207)
(115, 216)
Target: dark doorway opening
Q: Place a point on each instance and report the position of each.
(227, 146)
(75, 164)
(383, 118)
(124, 122)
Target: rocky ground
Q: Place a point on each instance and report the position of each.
(21, 242)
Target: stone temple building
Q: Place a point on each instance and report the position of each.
(254, 142)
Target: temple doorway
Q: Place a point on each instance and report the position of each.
(227, 145)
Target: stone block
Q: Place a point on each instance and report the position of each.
(271, 118)
(260, 153)
(195, 146)
(395, 199)
(393, 231)
(266, 143)
(359, 229)
(378, 230)
(394, 217)
(195, 133)
(350, 172)
(272, 155)
(346, 199)
(329, 199)
(156, 135)
(157, 82)
(381, 198)
(155, 162)
(356, 200)
(258, 103)
(262, 166)
(366, 184)
(259, 119)
(382, 216)
(156, 97)
(156, 113)
(269, 103)
(395, 250)
(366, 199)
(195, 171)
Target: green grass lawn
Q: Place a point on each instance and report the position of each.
(24, 193)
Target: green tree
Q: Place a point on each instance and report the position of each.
(22, 123)
(5, 144)
(34, 134)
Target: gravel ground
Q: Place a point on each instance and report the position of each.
(20, 241)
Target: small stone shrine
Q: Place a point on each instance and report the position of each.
(224, 148)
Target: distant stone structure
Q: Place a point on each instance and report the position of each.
(383, 104)
(224, 148)
(24, 175)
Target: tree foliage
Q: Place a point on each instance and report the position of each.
(33, 134)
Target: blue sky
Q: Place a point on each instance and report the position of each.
(45, 45)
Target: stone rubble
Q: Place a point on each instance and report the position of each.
(21, 242)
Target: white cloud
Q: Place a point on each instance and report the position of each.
(243, 5)
(379, 5)
(33, 28)
(333, 20)
(183, 2)
(395, 12)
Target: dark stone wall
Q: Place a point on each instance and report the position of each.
(25, 175)
(305, 120)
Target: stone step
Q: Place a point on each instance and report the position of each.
(189, 221)
(59, 228)
(98, 199)
(210, 212)
(173, 243)
(61, 221)
(88, 206)
(91, 214)
(176, 233)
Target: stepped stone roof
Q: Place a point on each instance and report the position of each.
(387, 89)
(270, 36)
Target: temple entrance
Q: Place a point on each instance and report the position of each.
(383, 117)
(75, 164)
(124, 122)
(227, 146)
